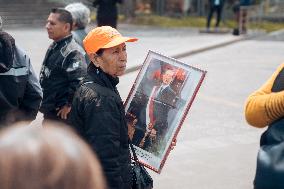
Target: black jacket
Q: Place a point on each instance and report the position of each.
(106, 8)
(63, 68)
(20, 92)
(98, 115)
(212, 3)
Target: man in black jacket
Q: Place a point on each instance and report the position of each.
(20, 92)
(63, 68)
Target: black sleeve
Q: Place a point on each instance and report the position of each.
(76, 114)
(75, 68)
(32, 96)
(98, 121)
(96, 3)
(103, 130)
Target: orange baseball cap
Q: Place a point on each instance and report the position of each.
(104, 37)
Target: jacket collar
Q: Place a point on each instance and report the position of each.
(61, 42)
(98, 76)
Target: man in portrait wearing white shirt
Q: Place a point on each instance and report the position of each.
(161, 100)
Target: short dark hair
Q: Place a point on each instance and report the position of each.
(64, 16)
(7, 49)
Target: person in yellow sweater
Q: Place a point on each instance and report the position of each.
(265, 106)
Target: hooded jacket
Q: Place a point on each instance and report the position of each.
(20, 92)
(98, 115)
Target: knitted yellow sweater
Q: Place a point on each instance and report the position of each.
(263, 106)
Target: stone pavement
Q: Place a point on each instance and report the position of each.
(170, 42)
(216, 149)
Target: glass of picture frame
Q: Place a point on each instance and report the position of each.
(157, 105)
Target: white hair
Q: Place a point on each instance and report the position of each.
(0, 23)
(80, 14)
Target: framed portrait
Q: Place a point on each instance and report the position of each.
(157, 105)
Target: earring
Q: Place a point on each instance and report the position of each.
(98, 71)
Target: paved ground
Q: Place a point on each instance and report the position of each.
(166, 41)
(216, 149)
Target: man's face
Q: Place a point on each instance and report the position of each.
(56, 29)
(168, 77)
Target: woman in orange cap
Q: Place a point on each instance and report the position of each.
(97, 110)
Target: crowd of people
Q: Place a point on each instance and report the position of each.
(83, 141)
(84, 138)
(76, 88)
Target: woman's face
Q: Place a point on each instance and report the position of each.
(113, 60)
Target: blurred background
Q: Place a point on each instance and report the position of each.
(216, 148)
(266, 15)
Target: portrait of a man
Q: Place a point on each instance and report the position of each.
(151, 108)
(157, 105)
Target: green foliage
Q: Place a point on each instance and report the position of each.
(169, 22)
(200, 22)
(267, 26)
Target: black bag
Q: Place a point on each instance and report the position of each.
(140, 178)
(270, 159)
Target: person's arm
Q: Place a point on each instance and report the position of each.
(103, 130)
(95, 120)
(263, 106)
(77, 112)
(33, 94)
(75, 69)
